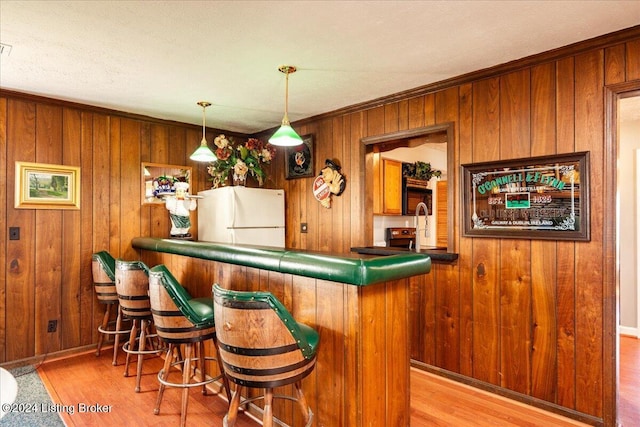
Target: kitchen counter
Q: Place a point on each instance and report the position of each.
(434, 253)
(355, 269)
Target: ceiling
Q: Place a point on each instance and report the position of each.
(159, 58)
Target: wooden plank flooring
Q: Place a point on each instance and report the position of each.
(435, 401)
(629, 387)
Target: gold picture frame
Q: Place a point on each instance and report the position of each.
(47, 186)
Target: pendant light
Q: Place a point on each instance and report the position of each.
(286, 136)
(203, 153)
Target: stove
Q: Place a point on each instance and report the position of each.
(401, 237)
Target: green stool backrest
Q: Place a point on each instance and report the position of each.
(107, 262)
(178, 294)
(262, 300)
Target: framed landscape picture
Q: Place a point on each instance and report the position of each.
(45, 186)
(299, 159)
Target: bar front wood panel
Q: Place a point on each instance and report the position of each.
(362, 372)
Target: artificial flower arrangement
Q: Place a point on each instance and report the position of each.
(240, 159)
(420, 170)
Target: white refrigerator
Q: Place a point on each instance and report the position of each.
(252, 216)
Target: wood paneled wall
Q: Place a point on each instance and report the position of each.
(46, 275)
(527, 317)
(532, 319)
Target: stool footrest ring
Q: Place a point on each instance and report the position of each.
(126, 347)
(181, 385)
(244, 402)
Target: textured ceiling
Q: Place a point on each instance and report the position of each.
(158, 58)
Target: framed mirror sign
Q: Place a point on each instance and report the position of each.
(158, 180)
(531, 198)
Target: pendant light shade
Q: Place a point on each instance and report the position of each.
(286, 136)
(203, 153)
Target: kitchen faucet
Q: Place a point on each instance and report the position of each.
(426, 223)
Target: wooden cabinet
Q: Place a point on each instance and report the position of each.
(442, 231)
(387, 198)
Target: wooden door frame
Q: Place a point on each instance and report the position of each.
(611, 304)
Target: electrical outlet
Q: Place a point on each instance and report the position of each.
(14, 233)
(303, 227)
(52, 326)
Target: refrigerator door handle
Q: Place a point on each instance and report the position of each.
(233, 210)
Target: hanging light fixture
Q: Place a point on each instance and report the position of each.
(286, 136)
(203, 153)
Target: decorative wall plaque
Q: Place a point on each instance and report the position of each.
(531, 198)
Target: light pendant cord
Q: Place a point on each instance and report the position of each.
(204, 139)
(285, 119)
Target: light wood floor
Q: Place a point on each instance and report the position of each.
(435, 401)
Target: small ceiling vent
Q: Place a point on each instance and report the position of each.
(5, 49)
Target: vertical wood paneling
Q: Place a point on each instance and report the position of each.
(115, 176)
(486, 255)
(375, 121)
(70, 320)
(566, 281)
(515, 256)
(323, 233)
(403, 115)
(416, 112)
(100, 211)
(464, 154)
(331, 317)
(337, 202)
(446, 276)
(147, 211)
(589, 115)
(129, 186)
(349, 170)
(429, 109)
(359, 231)
(88, 325)
(614, 64)
(48, 242)
(101, 190)
(391, 117)
(4, 118)
(633, 60)
(543, 266)
(372, 341)
(396, 352)
(20, 296)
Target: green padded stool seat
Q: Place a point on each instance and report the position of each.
(132, 285)
(181, 320)
(262, 346)
(104, 284)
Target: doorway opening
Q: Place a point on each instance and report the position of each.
(620, 214)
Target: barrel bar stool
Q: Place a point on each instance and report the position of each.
(182, 320)
(263, 347)
(103, 271)
(132, 285)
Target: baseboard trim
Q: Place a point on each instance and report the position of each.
(519, 397)
(48, 357)
(629, 331)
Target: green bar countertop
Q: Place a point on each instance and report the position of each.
(353, 269)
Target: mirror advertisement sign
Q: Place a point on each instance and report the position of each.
(531, 198)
